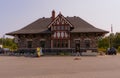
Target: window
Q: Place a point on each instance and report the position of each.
(54, 27)
(54, 44)
(77, 41)
(58, 27)
(55, 35)
(29, 44)
(87, 43)
(66, 43)
(57, 43)
(62, 27)
(42, 44)
(62, 45)
(77, 45)
(66, 27)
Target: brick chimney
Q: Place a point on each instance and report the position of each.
(53, 15)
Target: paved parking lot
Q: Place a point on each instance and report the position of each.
(60, 67)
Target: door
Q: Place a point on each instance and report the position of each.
(77, 45)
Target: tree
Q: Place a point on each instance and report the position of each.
(112, 40)
(103, 43)
(116, 40)
(8, 43)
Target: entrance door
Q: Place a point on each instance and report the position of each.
(77, 45)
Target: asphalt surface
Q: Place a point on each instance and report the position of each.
(60, 67)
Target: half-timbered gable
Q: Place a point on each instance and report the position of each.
(60, 28)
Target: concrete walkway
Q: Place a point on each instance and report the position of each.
(60, 67)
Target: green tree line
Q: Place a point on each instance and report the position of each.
(8, 43)
(112, 40)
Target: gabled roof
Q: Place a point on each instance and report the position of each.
(41, 26)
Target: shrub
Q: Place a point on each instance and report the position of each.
(101, 49)
(118, 49)
(61, 54)
(64, 54)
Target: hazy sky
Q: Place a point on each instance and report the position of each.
(15, 14)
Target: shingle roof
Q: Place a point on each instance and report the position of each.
(40, 26)
(82, 26)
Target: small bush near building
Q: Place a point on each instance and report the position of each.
(102, 50)
(64, 54)
(118, 50)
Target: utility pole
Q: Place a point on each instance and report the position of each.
(110, 37)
